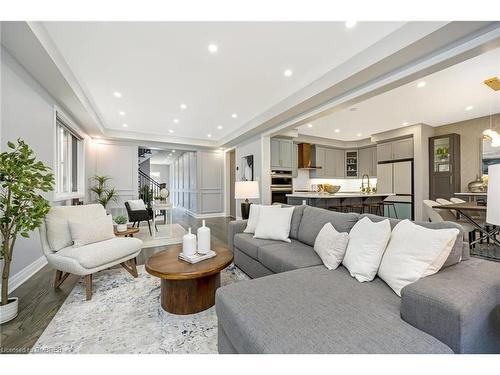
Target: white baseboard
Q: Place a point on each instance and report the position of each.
(19, 278)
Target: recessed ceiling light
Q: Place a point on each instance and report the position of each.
(288, 73)
(219, 127)
(169, 154)
(350, 24)
(209, 135)
(359, 134)
(309, 125)
(176, 120)
(170, 130)
(469, 108)
(234, 115)
(117, 94)
(212, 48)
(405, 123)
(121, 113)
(125, 125)
(421, 84)
(337, 130)
(183, 106)
(173, 151)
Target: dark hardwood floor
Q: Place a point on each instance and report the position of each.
(39, 301)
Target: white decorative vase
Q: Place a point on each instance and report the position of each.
(189, 244)
(9, 311)
(203, 239)
(121, 227)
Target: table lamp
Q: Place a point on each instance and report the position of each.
(246, 190)
(493, 208)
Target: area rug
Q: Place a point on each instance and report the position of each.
(163, 231)
(125, 316)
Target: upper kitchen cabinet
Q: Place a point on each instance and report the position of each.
(351, 163)
(330, 161)
(281, 154)
(444, 166)
(367, 160)
(400, 149)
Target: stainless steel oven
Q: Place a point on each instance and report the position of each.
(281, 185)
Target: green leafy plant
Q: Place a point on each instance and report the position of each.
(104, 195)
(146, 194)
(22, 208)
(120, 219)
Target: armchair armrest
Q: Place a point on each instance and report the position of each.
(236, 226)
(459, 305)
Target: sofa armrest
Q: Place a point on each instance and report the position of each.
(459, 305)
(236, 226)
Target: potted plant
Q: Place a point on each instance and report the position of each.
(121, 223)
(22, 208)
(104, 194)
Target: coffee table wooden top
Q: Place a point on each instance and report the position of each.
(167, 265)
(128, 232)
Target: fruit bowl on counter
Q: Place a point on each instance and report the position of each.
(328, 188)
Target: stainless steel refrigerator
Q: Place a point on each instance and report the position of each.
(397, 178)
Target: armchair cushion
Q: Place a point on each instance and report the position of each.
(137, 205)
(87, 232)
(101, 253)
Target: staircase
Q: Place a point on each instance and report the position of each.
(148, 188)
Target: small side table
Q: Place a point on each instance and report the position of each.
(128, 233)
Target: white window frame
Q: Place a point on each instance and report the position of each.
(75, 130)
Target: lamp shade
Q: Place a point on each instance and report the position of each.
(493, 210)
(246, 190)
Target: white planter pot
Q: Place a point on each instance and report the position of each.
(121, 227)
(9, 311)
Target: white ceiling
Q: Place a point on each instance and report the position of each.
(159, 65)
(442, 101)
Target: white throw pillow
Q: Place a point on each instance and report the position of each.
(253, 218)
(414, 252)
(84, 233)
(137, 205)
(367, 243)
(58, 234)
(274, 223)
(331, 245)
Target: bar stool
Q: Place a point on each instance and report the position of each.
(374, 208)
(388, 205)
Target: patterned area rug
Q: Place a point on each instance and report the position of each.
(125, 316)
(163, 231)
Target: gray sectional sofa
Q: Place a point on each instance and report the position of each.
(296, 305)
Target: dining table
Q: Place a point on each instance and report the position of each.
(467, 210)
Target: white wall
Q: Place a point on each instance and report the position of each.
(118, 161)
(163, 171)
(250, 147)
(27, 111)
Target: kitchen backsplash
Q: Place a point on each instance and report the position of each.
(303, 182)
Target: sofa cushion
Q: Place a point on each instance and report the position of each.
(457, 249)
(282, 257)
(100, 253)
(313, 219)
(296, 219)
(319, 311)
(249, 245)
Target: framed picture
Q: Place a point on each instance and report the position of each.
(247, 168)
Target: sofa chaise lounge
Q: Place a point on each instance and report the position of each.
(296, 305)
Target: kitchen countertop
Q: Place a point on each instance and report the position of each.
(338, 195)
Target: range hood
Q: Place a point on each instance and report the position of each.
(305, 157)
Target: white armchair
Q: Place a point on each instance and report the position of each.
(88, 259)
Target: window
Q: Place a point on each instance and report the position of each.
(69, 160)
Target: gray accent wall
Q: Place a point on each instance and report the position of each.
(27, 112)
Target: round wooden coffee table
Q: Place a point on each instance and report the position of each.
(188, 288)
(128, 233)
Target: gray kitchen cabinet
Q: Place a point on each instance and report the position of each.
(330, 160)
(395, 150)
(295, 160)
(337, 163)
(367, 160)
(318, 155)
(402, 149)
(281, 154)
(384, 151)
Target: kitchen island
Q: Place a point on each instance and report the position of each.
(340, 199)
